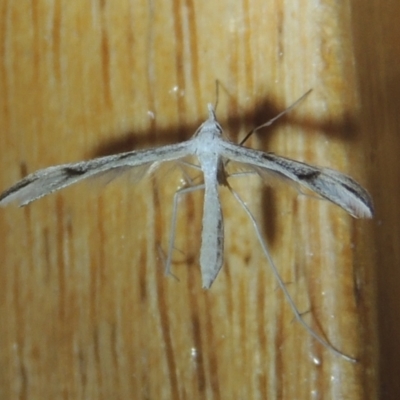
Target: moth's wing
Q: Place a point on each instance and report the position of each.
(328, 183)
(49, 180)
(132, 174)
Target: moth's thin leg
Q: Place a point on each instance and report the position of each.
(164, 261)
(177, 195)
(282, 284)
(271, 121)
(171, 242)
(241, 174)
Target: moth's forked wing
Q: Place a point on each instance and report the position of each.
(328, 183)
(48, 180)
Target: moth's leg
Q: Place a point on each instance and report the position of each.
(242, 174)
(171, 242)
(296, 312)
(190, 187)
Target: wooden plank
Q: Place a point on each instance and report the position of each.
(87, 311)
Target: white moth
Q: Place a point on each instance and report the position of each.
(213, 152)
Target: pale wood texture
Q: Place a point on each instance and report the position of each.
(86, 311)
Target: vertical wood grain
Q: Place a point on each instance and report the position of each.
(86, 310)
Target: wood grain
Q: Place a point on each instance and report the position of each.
(86, 310)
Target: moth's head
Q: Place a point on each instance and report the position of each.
(210, 127)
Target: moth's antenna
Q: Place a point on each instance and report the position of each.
(271, 121)
(217, 84)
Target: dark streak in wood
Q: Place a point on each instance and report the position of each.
(105, 57)
(56, 40)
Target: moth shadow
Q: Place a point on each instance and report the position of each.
(151, 138)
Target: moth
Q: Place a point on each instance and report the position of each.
(213, 152)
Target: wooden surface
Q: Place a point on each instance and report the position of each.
(86, 311)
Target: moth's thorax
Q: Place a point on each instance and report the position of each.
(207, 140)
